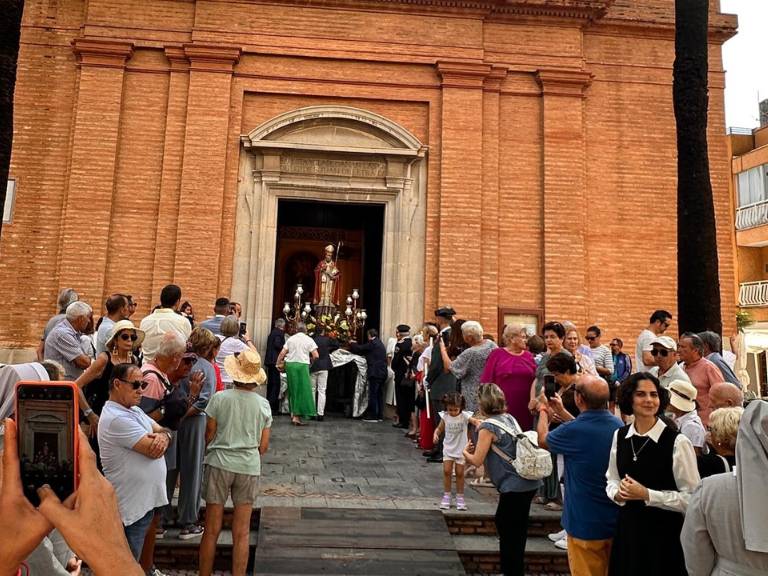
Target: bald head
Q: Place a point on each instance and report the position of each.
(725, 395)
(594, 392)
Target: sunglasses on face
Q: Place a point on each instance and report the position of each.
(660, 351)
(136, 383)
(591, 338)
(131, 337)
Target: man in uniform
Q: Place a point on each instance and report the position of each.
(439, 382)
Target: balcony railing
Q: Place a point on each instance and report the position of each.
(752, 215)
(753, 294)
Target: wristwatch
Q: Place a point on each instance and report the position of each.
(87, 412)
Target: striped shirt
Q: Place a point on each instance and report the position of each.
(603, 357)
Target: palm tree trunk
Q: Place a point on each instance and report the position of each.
(10, 32)
(698, 291)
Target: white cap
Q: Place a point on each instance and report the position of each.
(665, 341)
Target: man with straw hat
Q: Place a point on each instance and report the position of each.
(237, 434)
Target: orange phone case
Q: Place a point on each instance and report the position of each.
(76, 419)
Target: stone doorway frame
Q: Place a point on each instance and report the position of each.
(389, 169)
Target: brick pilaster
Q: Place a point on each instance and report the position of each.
(461, 178)
(198, 237)
(489, 292)
(170, 180)
(96, 128)
(564, 172)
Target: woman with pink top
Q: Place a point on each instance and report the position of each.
(512, 368)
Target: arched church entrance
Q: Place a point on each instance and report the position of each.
(303, 175)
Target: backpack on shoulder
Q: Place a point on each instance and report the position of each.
(531, 462)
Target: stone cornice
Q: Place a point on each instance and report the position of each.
(563, 82)
(102, 53)
(209, 58)
(463, 74)
(177, 58)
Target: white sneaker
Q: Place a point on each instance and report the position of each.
(557, 536)
(562, 543)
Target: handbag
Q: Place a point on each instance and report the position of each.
(174, 404)
(531, 462)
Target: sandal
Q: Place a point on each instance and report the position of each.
(553, 506)
(540, 500)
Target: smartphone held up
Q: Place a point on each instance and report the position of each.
(550, 386)
(47, 422)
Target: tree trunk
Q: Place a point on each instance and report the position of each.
(10, 33)
(698, 290)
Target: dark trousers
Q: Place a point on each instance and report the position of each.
(375, 386)
(273, 387)
(512, 527)
(404, 393)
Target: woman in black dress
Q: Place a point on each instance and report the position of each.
(651, 473)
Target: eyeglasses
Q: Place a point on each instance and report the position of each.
(660, 351)
(136, 383)
(131, 337)
(591, 338)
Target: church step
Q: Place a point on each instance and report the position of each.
(171, 552)
(480, 555)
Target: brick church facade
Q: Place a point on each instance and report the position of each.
(523, 151)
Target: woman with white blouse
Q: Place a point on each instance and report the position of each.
(651, 474)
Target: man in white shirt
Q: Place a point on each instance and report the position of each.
(663, 350)
(682, 404)
(601, 354)
(132, 446)
(162, 320)
(657, 324)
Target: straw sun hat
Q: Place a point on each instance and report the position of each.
(125, 325)
(245, 367)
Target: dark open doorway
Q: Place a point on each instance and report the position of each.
(305, 227)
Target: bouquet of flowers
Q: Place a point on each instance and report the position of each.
(335, 326)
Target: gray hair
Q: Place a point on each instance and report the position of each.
(712, 341)
(77, 310)
(171, 344)
(472, 329)
(66, 297)
(280, 323)
(696, 341)
(301, 327)
(510, 329)
(54, 369)
(230, 326)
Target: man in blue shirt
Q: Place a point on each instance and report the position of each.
(589, 517)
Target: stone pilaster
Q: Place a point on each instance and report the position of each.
(564, 188)
(198, 247)
(461, 179)
(85, 241)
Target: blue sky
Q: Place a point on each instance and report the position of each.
(744, 59)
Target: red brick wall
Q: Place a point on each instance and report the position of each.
(128, 174)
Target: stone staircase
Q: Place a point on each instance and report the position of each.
(474, 537)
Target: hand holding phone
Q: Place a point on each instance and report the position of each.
(47, 418)
(28, 525)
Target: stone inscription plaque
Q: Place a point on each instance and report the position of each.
(331, 167)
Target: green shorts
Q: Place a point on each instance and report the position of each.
(218, 484)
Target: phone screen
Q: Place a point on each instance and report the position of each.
(550, 386)
(45, 419)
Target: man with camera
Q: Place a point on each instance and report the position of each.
(584, 443)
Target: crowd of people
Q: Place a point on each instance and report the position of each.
(172, 404)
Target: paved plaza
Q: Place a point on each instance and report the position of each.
(346, 463)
